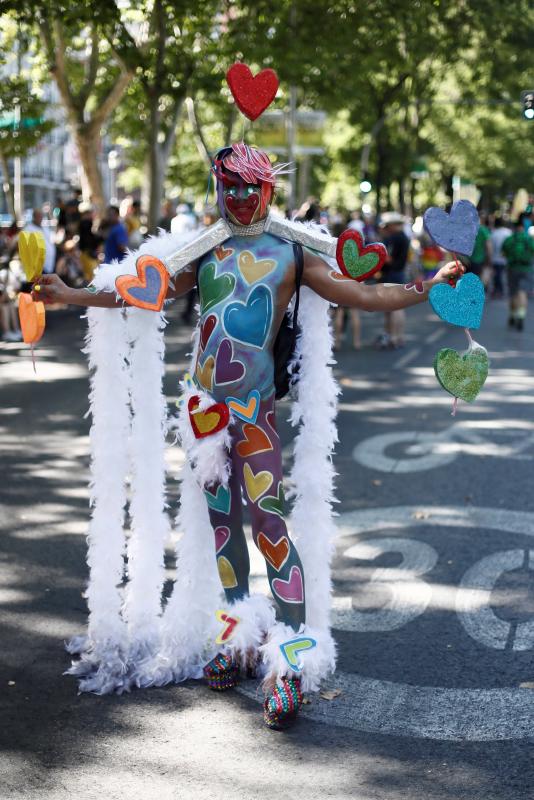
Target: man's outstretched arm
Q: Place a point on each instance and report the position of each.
(54, 290)
(343, 291)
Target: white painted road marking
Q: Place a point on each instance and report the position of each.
(430, 712)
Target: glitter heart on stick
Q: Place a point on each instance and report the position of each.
(252, 93)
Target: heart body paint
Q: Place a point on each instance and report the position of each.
(147, 290)
(274, 505)
(252, 93)
(32, 318)
(206, 329)
(220, 501)
(462, 304)
(455, 231)
(247, 410)
(227, 370)
(222, 252)
(226, 573)
(292, 590)
(276, 553)
(255, 441)
(204, 373)
(253, 269)
(292, 648)
(208, 421)
(212, 289)
(256, 484)
(249, 322)
(222, 537)
(357, 261)
(230, 624)
(462, 375)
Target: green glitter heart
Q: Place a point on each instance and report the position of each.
(355, 264)
(464, 375)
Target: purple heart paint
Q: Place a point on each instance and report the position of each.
(456, 231)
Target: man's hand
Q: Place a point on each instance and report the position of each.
(52, 290)
(451, 271)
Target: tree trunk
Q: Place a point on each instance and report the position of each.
(88, 144)
(10, 199)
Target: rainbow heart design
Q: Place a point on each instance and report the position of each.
(462, 375)
(147, 290)
(462, 304)
(220, 501)
(248, 410)
(222, 536)
(32, 318)
(249, 322)
(209, 420)
(292, 648)
(213, 290)
(226, 573)
(276, 553)
(227, 370)
(258, 484)
(456, 231)
(252, 93)
(274, 505)
(355, 260)
(254, 269)
(230, 624)
(255, 441)
(292, 590)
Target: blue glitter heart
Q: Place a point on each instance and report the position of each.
(461, 305)
(250, 322)
(150, 292)
(456, 231)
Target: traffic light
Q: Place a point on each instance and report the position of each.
(527, 104)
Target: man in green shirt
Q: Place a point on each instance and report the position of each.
(480, 259)
(519, 252)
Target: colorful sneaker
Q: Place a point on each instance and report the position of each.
(221, 673)
(280, 709)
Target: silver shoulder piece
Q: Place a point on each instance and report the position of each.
(307, 236)
(209, 239)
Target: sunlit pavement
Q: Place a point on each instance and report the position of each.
(433, 595)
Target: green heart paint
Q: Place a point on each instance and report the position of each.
(356, 264)
(462, 375)
(213, 290)
(274, 505)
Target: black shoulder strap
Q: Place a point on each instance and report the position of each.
(299, 267)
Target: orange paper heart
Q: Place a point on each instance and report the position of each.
(148, 289)
(32, 318)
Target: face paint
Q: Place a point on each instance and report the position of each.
(242, 202)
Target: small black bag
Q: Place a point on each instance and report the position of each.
(286, 339)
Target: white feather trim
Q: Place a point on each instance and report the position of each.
(256, 618)
(317, 663)
(208, 456)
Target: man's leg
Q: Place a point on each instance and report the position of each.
(258, 459)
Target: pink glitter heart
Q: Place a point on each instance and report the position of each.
(291, 591)
(222, 534)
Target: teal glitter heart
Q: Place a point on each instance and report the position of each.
(461, 305)
(462, 375)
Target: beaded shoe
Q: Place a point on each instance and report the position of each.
(281, 707)
(221, 673)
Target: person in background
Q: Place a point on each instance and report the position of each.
(167, 215)
(480, 260)
(393, 271)
(184, 221)
(68, 266)
(431, 257)
(132, 220)
(72, 213)
(116, 243)
(36, 226)
(518, 250)
(88, 243)
(10, 284)
(499, 235)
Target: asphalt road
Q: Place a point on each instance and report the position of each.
(434, 595)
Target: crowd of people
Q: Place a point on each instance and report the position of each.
(76, 242)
